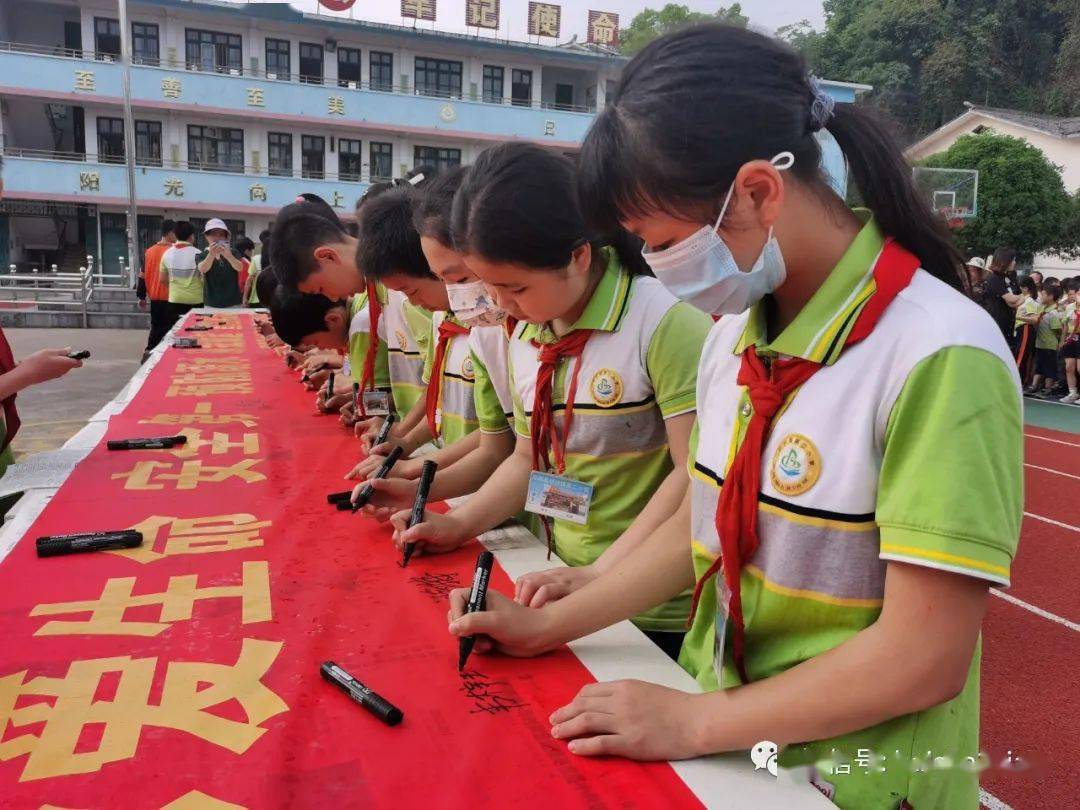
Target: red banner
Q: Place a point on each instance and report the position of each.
(185, 673)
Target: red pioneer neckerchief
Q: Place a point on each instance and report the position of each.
(768, 388)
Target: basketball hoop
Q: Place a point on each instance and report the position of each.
(954, 216)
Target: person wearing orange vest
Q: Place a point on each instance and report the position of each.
(857, 464)
(154, 286)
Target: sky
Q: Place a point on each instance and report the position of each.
(450, 14)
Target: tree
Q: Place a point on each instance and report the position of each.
(1022, 201)
(803, 38)
(649, 24)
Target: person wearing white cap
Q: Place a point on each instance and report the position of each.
(220, 267)
(976, 274)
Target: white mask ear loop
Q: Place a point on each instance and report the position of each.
(782, 162)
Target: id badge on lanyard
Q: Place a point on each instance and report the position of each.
(346, 367)
(559, 497)
(376, 403)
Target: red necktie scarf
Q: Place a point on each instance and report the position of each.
(447, 330)
(545, 437)
(367, 378)
(11, 416)
(769, 386)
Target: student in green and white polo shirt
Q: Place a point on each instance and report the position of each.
(858, 465)
(404, 323)
(356, 353)
(179, 268)
(481, 362)
(635, 376)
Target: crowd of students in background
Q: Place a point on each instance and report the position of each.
(1039, 318)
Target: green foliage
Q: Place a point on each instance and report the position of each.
(926, 57)
(1022, 201)
(649, 24)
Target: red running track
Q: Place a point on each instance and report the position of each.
(1030, 699)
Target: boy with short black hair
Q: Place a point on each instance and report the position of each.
(179, 269)
(1047, 322)
(312, 251)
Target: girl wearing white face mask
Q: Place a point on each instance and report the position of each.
(856, 469)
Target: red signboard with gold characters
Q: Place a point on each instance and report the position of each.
(185, 673)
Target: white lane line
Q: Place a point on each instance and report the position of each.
(1055, 441)
(1049, 470)
(1051, 521)
(991, 802)
(1038, 611)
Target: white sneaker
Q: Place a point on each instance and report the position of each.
(1071, 398)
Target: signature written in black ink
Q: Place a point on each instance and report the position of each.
(488, 696)
(437, 586)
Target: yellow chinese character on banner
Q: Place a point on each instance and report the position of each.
(170, 88)
(255, 97)
(201, 416)
(219, 444)
(201, 535)
(84, 80)
(190, 689)
(176, 602)
(335, 105)
(149, 474)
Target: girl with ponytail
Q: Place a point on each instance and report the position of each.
(856, 466)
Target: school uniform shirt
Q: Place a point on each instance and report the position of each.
(406, 330)
(456, 414)
(179, 270)
(1049, 327)
(638, 369)
(905, 447)
(156, 288)
(360, 339)
(491, 384)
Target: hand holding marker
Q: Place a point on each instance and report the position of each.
(365, 494)
(427, 473)
(477, 598)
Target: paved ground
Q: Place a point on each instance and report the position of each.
(55, 411)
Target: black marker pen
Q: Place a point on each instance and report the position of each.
(476, 602)
(82, 354)
(355, 394)
(56, 545)
(384, 431)
(329, 387)
(149, 443)
(378, 706)
(427, 473)
(339, 497)
(384, 470)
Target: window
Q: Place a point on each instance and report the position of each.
(217, 149)
(493, 84)
(279, 154)
(213, 51)
(521, 88)
(348, 67)
(106, 38)
(382, 71)
(278, 60)
(438, 77)
(564, 96)
(381, 161)
(148, 143)
(145, 49)
(312, 155)
(350, 159)
(436, 157)
(311, 63)
(110, 135)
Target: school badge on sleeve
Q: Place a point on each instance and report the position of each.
(402, 341)
(796, 465)
(467, 370)
(606, 388)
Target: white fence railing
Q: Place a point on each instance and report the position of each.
(61, 291)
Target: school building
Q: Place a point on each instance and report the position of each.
(240, 107)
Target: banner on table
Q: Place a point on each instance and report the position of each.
(185, 673)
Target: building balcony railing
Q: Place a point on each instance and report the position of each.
(238, 90)
(64, 177)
